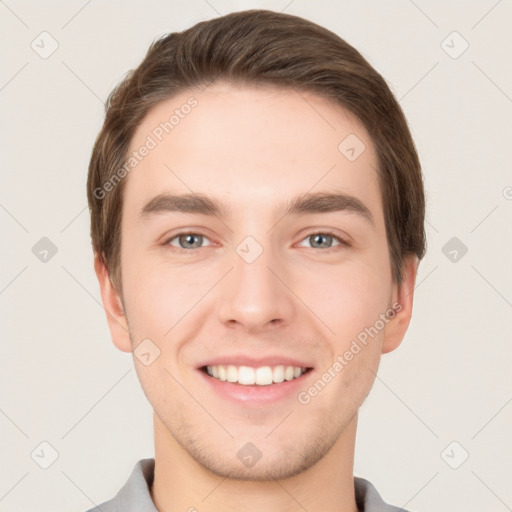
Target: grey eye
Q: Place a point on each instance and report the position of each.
(323, 240)
(187, 241)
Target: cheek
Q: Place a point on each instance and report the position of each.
(354, 350)
(157, 294)
(348, 298)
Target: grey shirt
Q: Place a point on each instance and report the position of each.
(134, 496)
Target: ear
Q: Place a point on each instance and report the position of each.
(113, 306)
(403, 299)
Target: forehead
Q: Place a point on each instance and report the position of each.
(251, 144)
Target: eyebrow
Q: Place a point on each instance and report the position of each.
(308, 203)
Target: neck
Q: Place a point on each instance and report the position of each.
(181, 484)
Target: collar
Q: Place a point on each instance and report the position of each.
(135, 495)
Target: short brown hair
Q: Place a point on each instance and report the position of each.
(260, 47)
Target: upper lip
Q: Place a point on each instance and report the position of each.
(254, 362)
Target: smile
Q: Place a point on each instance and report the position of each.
(249, 376)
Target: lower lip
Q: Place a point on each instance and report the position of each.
(256, 395)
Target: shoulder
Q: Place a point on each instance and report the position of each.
(369, 500)
(135, 494)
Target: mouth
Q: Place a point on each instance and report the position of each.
(255, 376)
(255, 382)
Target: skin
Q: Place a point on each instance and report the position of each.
(250, 148)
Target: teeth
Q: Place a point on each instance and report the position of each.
(288, 373)
(248, 376)
(231, 373)
(278, 375)
(263, 376)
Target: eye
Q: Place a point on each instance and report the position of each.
(187, 241)
(324, 240)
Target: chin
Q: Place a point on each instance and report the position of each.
(277, 466)
(265, 460)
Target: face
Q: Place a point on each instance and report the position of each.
(249, 306)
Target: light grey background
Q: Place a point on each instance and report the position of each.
(64, 383)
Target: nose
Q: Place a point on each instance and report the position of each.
(256, 295)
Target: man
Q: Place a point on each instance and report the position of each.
(257, 214)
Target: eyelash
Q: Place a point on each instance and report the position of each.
(342, 243)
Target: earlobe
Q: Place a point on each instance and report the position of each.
(113, 306)
(404, 294)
